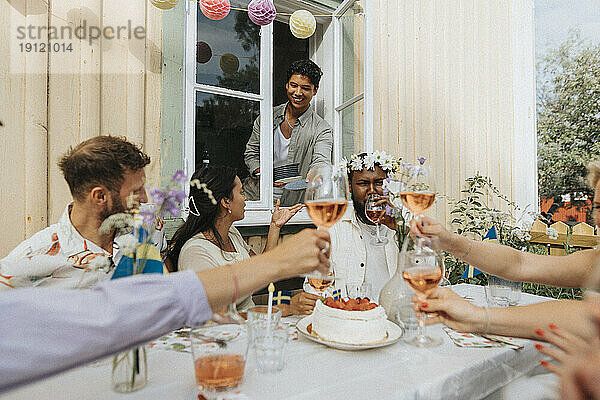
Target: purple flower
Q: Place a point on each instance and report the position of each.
(147, 217)
(421, 160)
(169, 207)
(179, 177)
(178, 195)
(157, 195)
(389, 210)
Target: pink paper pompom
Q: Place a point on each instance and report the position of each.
(215, 9)
(261, 12)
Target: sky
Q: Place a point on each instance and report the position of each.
(554, 19)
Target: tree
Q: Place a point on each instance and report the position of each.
(568, 116)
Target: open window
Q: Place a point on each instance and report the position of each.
(236, 72)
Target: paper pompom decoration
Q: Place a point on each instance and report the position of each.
(229, 63)
(261, 12)
(302, 24)
(215, 9)
(203, 52)
(164, 4)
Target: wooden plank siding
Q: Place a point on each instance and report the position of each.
(51, 101)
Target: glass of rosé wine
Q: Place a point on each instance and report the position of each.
(423, 271)
(419, 191)
(375, 211)
(326, 200)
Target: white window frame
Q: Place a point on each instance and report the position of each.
(328, 98)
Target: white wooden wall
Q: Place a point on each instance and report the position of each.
(51, 101)
(454, 82)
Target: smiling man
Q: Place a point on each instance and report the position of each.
(299, 134)
(106, 176)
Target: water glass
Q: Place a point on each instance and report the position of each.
(501, 292)
(257, 320)
(269, 349)
(356, 289)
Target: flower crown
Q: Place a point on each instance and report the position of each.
(357, 162)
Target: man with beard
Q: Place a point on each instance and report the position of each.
(300, 136)
(358, 263)
(106, 176)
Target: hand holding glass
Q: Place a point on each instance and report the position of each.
(375, 213)
(419, 193)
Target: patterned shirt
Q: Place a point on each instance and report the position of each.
(59, 256)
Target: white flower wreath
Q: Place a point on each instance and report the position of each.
(385, 161)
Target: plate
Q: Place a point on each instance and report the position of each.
(299, 184)
(394, 335)
(289, 179)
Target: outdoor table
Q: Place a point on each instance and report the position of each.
(314, 371)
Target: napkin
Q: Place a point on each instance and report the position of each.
(464, 339)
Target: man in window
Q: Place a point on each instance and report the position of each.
(106, 176)
(301, 139)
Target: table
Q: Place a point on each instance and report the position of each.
(313, 371)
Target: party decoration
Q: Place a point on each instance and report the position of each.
(261, 12)
(229, 63)
(302, 24)
(164, 4)
(203, 52)
(215, 9)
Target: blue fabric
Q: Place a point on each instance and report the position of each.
(471, 271)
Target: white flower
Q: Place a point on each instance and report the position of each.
(99, 263)
(356, 163)
(343, 164)
(393, 186)
(552, 233)
(128, 244)
(369, 161)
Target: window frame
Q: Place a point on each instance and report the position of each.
(259, 212)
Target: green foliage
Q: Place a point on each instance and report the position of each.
(568, 116)
(480, 208)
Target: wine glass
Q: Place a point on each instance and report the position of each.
(419, 192)
(423, 271)
(375, 213)
(326, 200)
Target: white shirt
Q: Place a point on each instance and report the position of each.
(59, 256)
(376, 268)
(281, 146)
(199, 254)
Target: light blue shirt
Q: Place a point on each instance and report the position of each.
(44, 331)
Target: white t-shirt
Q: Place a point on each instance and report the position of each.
(376, 269)
(281, 146)
(199, 254)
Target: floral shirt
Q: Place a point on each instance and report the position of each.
(59, 256)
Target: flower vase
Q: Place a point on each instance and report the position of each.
(129, 371)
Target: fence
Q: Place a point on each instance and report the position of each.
(579, 236)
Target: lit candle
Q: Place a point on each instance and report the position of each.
(270, 308)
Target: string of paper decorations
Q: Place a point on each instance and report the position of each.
(261, 12)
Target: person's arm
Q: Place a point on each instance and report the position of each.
(301, 304)
(518, 321)
(252, 153)
(46, 330)
(509, 263)
(323, 150)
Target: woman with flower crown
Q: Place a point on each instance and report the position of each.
(208, 239)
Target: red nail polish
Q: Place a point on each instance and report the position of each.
(538, 346)
(539, 332)
(424, 305)
(544, 363)
(553, 327)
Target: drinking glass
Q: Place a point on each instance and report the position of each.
(358, 289)
(375, 213)
(419, 192)
(423, 271)
(326, 200)
(219, 349)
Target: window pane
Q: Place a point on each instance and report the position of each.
(353, 129)
(352, 22)
(223, 127)
(228, 51)
(287, 49)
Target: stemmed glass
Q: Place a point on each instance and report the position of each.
(419, 192)
(423, 271)
(375, 213)
(326, 200)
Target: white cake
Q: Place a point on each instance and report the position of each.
(350, 327)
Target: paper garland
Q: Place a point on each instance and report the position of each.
(261, 12)
(229, 63)
(302, 24)
(203, 52)
(215, 9)
(164, 4)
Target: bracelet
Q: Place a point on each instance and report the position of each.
(487, 325)
(469, 249)
(235, 284)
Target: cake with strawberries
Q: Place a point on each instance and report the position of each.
(355, 321)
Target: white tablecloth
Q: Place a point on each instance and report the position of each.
(314, 371)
